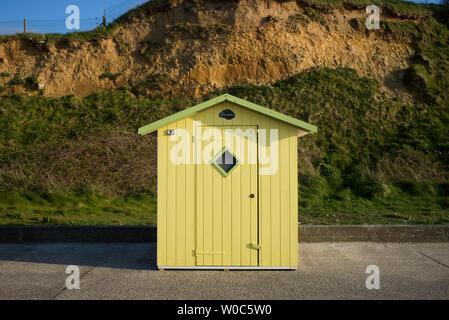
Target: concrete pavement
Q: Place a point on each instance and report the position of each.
(128, 271)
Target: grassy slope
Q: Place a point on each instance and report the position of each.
(376, 159)
(76, 208)
(338, 182)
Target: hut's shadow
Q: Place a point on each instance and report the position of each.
(134, 256)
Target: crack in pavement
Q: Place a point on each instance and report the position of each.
(81, 277)
(95, 266)
(433, 259)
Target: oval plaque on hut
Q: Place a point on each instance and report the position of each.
(227, 114)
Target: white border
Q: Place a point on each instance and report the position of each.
(227, 268)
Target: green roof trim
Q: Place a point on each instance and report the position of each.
(227, 97)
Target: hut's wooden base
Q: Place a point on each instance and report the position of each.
(226, 268)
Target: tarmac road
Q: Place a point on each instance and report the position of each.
(128, 271)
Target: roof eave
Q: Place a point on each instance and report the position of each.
(227, 97)
(180, 115)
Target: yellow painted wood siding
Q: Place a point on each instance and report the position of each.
(227, 220)
(176, 200)
(180, 213)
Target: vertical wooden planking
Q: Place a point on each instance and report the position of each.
(218, 214)
(246, 212)
(227, 220)
(275, 201)
(217, 219)
(284, 169)
(252, 158)
(199, 185)
(190, 199)
(265, 198)
(208, 201)
(171, 203)
(293, 198)
(255, 120)
(216, 111)
(162, 199)
(236, 204)
(180, 186)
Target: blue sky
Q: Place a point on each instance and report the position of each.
(49, 15)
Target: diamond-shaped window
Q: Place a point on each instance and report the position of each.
(225, 161)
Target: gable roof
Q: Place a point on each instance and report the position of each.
(227, 97)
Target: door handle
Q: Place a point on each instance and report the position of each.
(252, 195)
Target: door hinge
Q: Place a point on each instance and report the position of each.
(255, 246)
(202, 253)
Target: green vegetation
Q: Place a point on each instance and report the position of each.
(198, 31)
(78, 161)
(99, 32)
(32, 80)
(315, 16)
(77, 209)
(111, 76)
(17, 80)
(145, 9)
(375, 203)
(399, 31)
(429, 75)
(394, 7)
(4, 74)
(433, 53)
(149, 48)
(376, 159)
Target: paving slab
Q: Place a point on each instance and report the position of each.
(128, 271)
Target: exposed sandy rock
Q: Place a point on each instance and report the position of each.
(191, 51)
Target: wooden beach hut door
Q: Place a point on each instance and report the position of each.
(227, 226)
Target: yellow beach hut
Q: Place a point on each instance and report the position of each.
(227, 193)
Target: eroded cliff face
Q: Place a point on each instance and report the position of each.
(190, 51)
